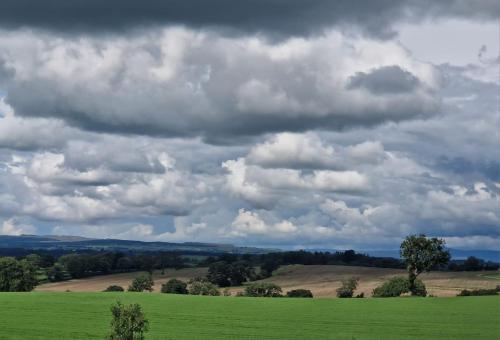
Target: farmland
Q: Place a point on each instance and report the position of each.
(493, 276)
(86, 316)
(99, 283)
(322, 280)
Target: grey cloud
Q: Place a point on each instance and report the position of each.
(194, 87)
(6, 75)
(413, 188)
(437, 175)
(385, 80)
(19, 133)
(277, 17)
(6, 72)
(116, 154)
(480, 169)
(308, 151)
(47, 188)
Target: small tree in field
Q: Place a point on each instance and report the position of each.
(348, 287)
(142, 283)
(263, 289)
(421, 254)
(128, 322)
(200, 286)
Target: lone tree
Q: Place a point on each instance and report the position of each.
(128, 322)
(421, 254)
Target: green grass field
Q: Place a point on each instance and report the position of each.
(86, 316)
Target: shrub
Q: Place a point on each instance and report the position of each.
(174, 286)
(301, 293)
(392, 288)
(397, 286)
(128, 322)
(348, 287)
(360, 296)
(142, 283)
(419, 289)
(203, 287)
(226, 292)
(114, 288)
(478, 292)
(263, 289)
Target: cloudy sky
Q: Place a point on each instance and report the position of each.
(284, 123)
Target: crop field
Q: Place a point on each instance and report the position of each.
(324, 280)
(321, 280)
(26, 316)
(99, 283)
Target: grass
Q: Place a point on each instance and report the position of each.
(495, 276)
(86, 316)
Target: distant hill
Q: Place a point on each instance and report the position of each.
(67, 243)
(456, 254)
(74, 243)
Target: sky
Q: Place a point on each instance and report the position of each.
(272, 123)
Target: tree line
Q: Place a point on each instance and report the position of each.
(224, 270)
(23, 274)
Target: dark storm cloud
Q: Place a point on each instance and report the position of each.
(388, 79)
(47, 104)
(5, 71)
(281, 17)
(193, 88)
(489, 169)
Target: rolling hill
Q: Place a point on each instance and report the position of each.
(76, 243)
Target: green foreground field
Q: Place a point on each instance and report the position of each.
(86, 316)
